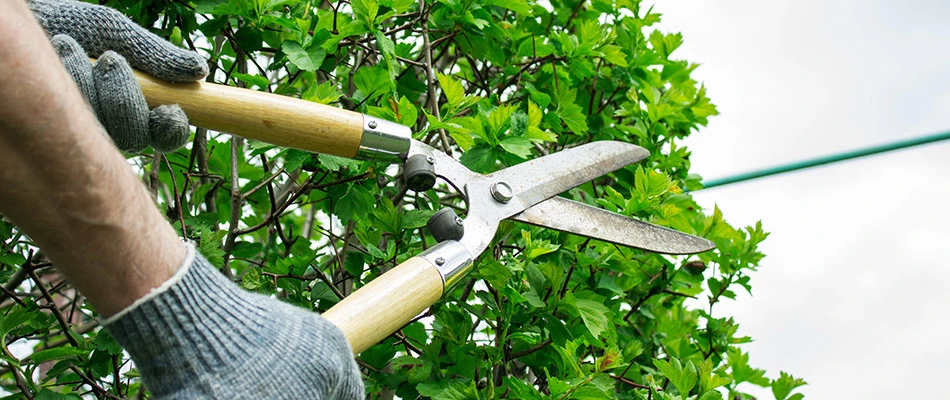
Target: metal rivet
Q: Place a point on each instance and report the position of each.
(458, 221)
(439, 261)
(501, 192)
(430, 160)
(372, 125)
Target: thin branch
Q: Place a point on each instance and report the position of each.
(667, 291)
(12, 295)
(533, 349)
(237, 201)
(20, 381)
(51, 305)
(629, 382)
(178, 205)
(430, 78)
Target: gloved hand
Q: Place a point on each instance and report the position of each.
(199, 336)
(79, 30)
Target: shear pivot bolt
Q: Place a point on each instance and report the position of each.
(501, 192)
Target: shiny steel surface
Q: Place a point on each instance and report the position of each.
(537, 180)
(445, 167)
(455, 259)
(535, 185)
(578, 218)
(383, 140)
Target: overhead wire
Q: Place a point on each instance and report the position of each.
(829, 159)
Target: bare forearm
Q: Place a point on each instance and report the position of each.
(64, 183)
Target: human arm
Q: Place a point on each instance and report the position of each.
(64, 183)
(191, 332)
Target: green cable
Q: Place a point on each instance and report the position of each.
(903, 144)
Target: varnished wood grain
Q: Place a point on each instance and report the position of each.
(281, 120)
(387, 303)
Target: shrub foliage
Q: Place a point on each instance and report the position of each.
(494, 82)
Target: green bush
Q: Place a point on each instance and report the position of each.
(494, 82)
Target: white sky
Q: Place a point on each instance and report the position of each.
(854, 291)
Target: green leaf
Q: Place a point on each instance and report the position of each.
(252, 280)
(366, 11)
(521, 390)
(609, 360)
(246, 249)
(479, 159)
(105, 341)
(416, 370)
(294, 158)
(494, 272)
(711, 395)
(308, 59)
(457, 391)
(14, 319)
(652, 184)
(518, 6)
(56, 353)
(371, 82)
(402, 6)
(379, 355)
(324, 93)
(571, 114)
(217, 7)
(708, 380)
(535, 247)
(594, 314)
(518, 146)
(12, 259)
(408, 113)
(714, 285)
(253, 80)
(321, 291)
(336, 164)
(375, 252)
(614, 54)
(350, 201)
(783, 386)
(47, 394)
(454, 93)
(519, 123)
(665, 44)
(683, 377)
(414, 219)
(568, 358)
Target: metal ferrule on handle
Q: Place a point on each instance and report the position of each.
(384, 140)
(452, 259)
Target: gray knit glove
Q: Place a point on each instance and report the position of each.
(199, 336)
(79, 30)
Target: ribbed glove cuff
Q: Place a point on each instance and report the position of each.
(200, 336)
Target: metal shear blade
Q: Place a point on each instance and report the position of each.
(528, 192)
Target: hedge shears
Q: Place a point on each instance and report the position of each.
(525, 192)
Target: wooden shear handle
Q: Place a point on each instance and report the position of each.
(281, 120)
(388, 302)
(393, 299)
